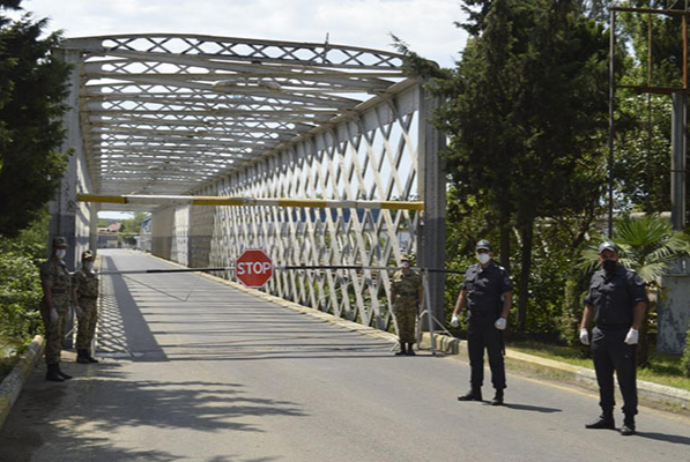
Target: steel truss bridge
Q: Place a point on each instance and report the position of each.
(158, 115)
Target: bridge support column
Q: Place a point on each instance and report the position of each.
(63, 208)
(431, 238)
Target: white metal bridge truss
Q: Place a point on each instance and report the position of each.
(172, 114)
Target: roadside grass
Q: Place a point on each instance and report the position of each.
(664, 369)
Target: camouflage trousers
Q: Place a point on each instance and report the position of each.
(87, 323)
(55, 331)
(406, 314)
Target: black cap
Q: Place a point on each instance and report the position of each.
(607, 245)
(59, 242)
(483, 244)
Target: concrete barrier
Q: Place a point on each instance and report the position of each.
(11, 386)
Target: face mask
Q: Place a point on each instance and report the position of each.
(60, 253)
(88, 265)
(483, 258)
(609, 266)
(405, 264)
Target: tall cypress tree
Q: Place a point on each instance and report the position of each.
(526, 116)
(33, 85)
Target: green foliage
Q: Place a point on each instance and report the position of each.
(20, 286)
(649, 245)
(685, 361)
(32, 88)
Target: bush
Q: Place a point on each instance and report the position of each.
(20, 285)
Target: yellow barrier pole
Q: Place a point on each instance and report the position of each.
(245, 201)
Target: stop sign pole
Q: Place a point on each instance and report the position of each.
(254, 268)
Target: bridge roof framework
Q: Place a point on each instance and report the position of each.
(164, 114)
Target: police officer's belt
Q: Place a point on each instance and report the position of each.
(58, 291)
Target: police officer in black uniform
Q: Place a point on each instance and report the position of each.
(616, 302)
(488, 293)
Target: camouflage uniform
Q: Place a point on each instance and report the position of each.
(55, 276)
(405, 308)
(85, 284)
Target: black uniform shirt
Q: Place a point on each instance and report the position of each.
(614, 297)
(484, 287)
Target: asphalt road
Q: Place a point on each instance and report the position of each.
(198, 371)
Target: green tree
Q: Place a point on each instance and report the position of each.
(526, 116)
(648, 245)
(33, 85)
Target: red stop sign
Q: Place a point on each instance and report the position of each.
(254, 268)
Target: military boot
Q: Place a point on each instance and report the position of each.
(62, 374)
(52, 374)
(91, 358)
(410, 351)
(82, 356)
(628, 427)
(403, 350)
(605, 421)
(498, 398)
(475, 394)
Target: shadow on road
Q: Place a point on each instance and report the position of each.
(527, 407)
(199, 405)
(677, 439)
(59, 419)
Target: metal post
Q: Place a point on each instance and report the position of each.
(429, 314)
(612, 102)
(678, 162)
(432, 189)
(93, 227)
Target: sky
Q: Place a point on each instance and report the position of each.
(427, 26)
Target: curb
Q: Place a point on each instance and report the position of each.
(454, 347)
(586, 377)
(11, 386)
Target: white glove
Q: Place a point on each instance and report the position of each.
(54, 316)
(454, 321)
(500, 323)
(633, 337)
(584, 337)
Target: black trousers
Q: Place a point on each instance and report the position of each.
(611, 353)
(481, 335)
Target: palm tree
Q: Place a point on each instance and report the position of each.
(648, 245)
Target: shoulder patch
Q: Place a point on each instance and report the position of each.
(637, 279)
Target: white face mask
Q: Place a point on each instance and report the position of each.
(405, 264)
(483, 258)
(60, 253)
(88, 265)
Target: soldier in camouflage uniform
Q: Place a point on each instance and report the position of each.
(56, 283)
(85, 293)
(406, 294)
